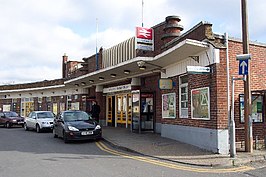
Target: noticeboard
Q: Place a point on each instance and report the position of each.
(165, 84)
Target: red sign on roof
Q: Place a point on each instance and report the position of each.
(144, 38)
(144, 33)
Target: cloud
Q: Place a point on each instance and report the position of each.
(35, 34)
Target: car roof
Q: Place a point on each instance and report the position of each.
(72, 111)
(41, 111)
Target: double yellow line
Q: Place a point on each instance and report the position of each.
(171, 165)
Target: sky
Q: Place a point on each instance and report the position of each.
(35, 34)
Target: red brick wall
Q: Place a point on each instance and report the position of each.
(150, 84)
(218, 119)
(258, 82)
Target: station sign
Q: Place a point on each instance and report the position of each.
(144, 38)
(198, 70)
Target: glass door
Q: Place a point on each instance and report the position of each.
(109, 110)
(135, 126)
(129, 109)
(147, 112)
(119, 109)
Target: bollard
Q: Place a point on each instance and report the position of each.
(256, 143)
(265, 142)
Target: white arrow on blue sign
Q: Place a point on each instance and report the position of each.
(243, 67)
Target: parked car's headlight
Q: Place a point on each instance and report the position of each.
(71, 128)
(97, 127)
(45, 122)
(14, 120)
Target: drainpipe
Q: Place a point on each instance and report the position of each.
(228, 80)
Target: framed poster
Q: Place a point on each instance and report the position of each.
(169, 105)
(257, 108)
(200, 103)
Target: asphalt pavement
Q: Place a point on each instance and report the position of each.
(152, 144)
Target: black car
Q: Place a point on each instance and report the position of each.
(10, 118)
(76, 125)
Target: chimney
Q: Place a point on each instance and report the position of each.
(172, 28)
(64, 66)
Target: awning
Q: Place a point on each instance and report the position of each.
(177, 53)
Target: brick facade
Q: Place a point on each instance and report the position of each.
(257, 82)
(216, 81)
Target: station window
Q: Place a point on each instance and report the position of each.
(183, 96)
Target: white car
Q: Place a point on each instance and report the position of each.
(39, 120)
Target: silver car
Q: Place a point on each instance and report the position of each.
(39, 120)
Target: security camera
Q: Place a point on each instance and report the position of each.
(141, 63)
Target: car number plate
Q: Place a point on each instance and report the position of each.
(87, 133)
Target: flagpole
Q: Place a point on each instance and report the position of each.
(142, 13)
(97, 60)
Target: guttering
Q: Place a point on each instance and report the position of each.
(32, 89)
(187, 41)
(110, 68)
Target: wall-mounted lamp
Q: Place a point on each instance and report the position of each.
(101, 78)
(126, 71)
(141, 65)
(29, 93)
(77, 90)
(76, 85)
(91, 81)
(113, 75)
(52, 92)
(19, 94)
(83, 83)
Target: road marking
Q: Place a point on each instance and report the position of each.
(173, 166)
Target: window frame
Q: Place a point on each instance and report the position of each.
(183, 85)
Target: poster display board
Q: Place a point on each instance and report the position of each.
(169, 105)
(200, 103)
(256, 108)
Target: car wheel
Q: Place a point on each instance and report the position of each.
(26, 127)
(65, 138)
(38, 129)
(8, 124)
(55, 135)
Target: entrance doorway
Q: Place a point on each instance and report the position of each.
(119, 110)
(143, 111)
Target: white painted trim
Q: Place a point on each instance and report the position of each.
(182, 85)
(148, 59)
(32, 89)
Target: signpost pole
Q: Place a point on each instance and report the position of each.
(232, 124)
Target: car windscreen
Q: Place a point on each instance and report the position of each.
(11, 114)
(76, 116)
(44, 115)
